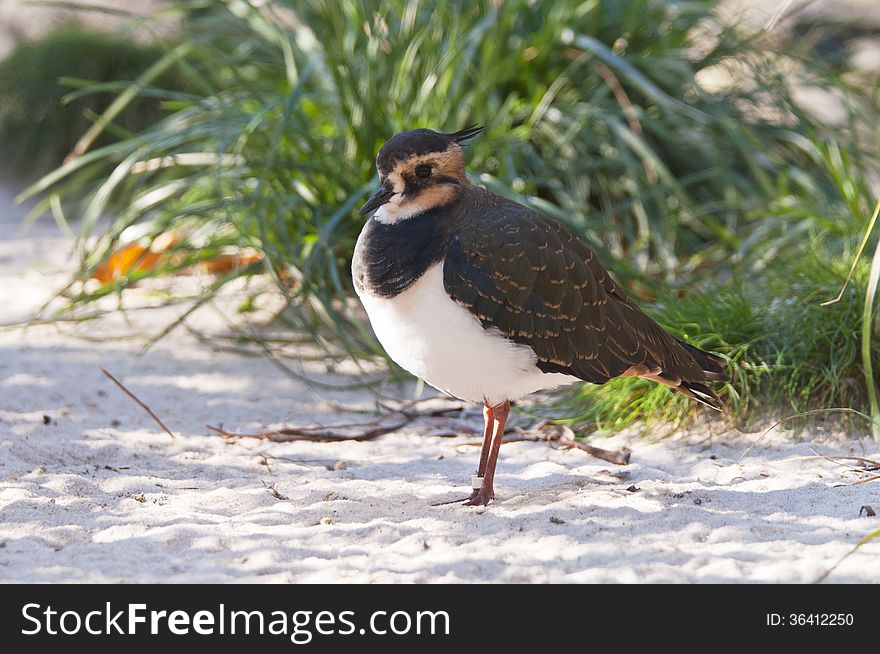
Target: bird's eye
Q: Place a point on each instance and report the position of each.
(423, 170)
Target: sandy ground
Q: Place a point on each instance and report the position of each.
(101, 494)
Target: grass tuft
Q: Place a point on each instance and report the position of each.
(786, 351)
(672, 144)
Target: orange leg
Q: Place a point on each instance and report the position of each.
(496, 421)
(488, 425)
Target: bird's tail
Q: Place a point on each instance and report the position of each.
(712, 366)
(696, 390)
(701, 393)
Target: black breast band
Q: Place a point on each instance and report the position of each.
(389, 258)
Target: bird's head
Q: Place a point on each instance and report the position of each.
(418, 170)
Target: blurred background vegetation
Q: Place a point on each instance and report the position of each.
(726, 173)
(41, 118)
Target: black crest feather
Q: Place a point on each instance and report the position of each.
(468, 132)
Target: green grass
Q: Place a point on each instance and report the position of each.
(738, 198)
(788, 354)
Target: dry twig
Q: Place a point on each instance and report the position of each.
(564, 435)
(328, 434)
(351, 431)
(619, 457)
(135, 398)
(802, 415)
(865, 465)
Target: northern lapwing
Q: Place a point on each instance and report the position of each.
(488, 300)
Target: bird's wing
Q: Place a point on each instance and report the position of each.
(542, 286)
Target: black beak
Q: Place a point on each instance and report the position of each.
(376, 200)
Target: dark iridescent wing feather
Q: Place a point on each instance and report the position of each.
(542, 286)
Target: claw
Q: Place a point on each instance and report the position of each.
(477, 498)
(480, 498)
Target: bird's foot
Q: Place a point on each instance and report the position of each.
(481, 496)
(475, 499)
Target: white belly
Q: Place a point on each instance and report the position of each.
(435, 339)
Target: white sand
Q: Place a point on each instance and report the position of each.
(87, 498)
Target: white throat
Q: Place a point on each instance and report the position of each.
(393, 211)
